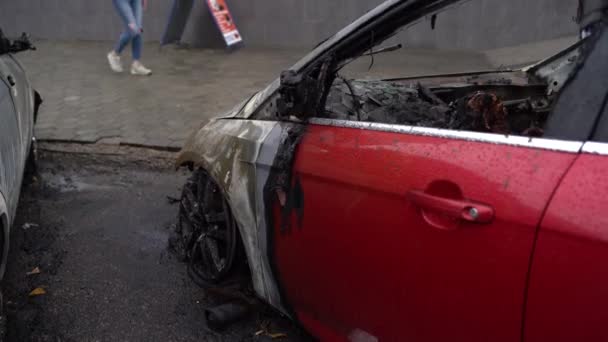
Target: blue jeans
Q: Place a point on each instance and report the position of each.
(131, 12)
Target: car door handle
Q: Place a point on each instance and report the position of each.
(461, 209)
(11, 81)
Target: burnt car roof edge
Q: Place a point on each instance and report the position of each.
(368, 18)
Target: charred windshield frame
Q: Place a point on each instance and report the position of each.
(297, 95)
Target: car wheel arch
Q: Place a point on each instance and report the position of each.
(194, 161)
(5, 237)
(189, 159)
(229, 151)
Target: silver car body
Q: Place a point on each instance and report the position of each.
(17, 116)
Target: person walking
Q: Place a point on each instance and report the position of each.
(131, 12)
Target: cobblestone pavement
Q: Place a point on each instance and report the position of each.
(85, 102)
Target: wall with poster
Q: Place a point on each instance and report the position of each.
(477, 24)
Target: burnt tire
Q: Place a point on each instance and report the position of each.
(207, 234)
(31, 164)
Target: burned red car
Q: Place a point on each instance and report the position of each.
(463, 207)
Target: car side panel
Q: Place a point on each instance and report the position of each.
(361, 262)
(568, 293)
(4, 223)
(10, 149)
(23, 98)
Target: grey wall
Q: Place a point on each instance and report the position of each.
(477, 24)
(74, 19)
(490, 24)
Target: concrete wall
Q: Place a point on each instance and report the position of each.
(74, 19)
(477, 24)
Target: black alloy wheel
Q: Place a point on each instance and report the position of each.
(208, 234)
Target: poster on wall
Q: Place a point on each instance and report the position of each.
(223, 19)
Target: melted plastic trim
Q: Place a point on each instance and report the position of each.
(539, 143)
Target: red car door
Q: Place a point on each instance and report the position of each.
(568, 295)
(568, 291)
(415, 234)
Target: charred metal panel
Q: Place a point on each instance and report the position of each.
(556, 70)
(263, 105)
(250, 160)
(229, 150)
(576, 119)
(273, 174)
(512, 77)
(280, 187)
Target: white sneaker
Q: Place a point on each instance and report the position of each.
(115, 63)
(139, 69)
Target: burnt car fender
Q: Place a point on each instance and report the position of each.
(229, 150)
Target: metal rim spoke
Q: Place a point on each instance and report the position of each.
(217, 234)
(217, 261)
(207, 228)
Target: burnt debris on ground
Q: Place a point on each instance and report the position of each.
(91, 239)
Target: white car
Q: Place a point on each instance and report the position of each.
(19, 105)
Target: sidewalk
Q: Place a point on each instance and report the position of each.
(85, 102)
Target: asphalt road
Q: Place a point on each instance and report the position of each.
(97, 225)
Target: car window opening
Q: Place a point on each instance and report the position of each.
(518, 101)
(508, 102)
(492, 105)
(512, 102)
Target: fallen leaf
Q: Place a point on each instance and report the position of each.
(39, 291)
(36, 270)
(28, 225)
